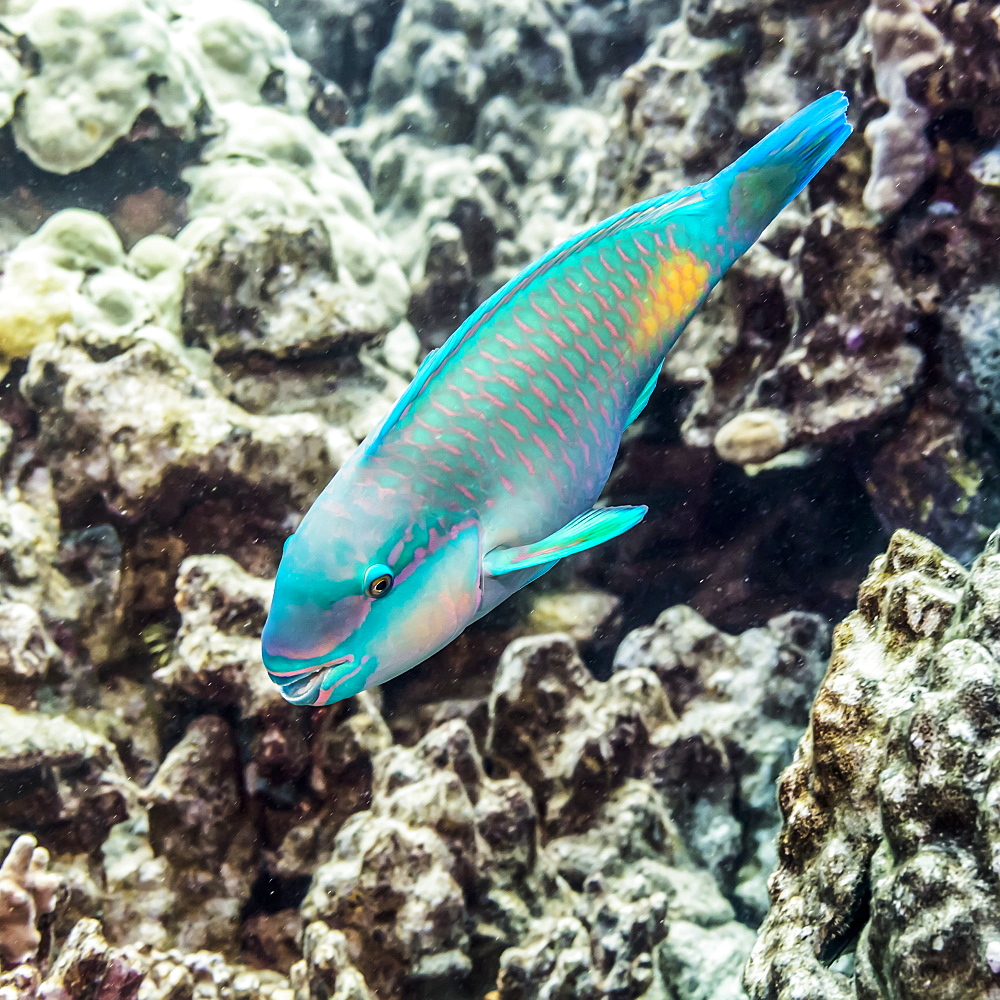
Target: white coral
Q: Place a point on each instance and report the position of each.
(905, 43)
(26, 891)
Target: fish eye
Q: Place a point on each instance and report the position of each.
(378, 580)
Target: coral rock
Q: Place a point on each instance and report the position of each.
(199, 824)
(26, 892)
(68, 783)
(326, 972)
(120, 60)
(288, 260)
(907, 49)
(570, 737)
(216, 656)
(88, 968)
(109, 432)
(888, 807)
(390, 886)
(27, 653)
(119, 83)
(752, 438)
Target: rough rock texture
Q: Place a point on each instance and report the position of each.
(86, 967)
(289, 261)
(581, 868)
(300, 780)
(66, 785)
(212, 289)
(889, 806)
(137, 458)
(122, 325)
(27, 653)
(562, 875)
(814, 384)
(200, 826)
(741, 700)
(274, 214)
(341, 39)
(326, 969)
(216, 653)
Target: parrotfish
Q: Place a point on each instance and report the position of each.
(486, 471)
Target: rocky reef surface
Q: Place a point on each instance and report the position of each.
(890, 806)
(228, 232)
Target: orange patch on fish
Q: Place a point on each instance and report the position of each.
(680, 281)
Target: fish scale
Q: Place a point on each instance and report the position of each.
(485, 472)
(580, 346)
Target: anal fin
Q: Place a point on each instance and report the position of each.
(591, 528)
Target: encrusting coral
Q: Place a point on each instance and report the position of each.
(889, 807)
(97, 67)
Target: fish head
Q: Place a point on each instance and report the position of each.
(367, 589)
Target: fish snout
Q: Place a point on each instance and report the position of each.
(298, 679)
(303, 652)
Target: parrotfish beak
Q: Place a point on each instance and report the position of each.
(303, 658)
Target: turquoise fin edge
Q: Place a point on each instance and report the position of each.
(641, 403)
(591, 528)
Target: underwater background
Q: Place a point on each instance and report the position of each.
(751, 749)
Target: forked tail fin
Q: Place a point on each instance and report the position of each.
(768, 176)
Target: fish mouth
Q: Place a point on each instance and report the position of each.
(303, 690)
(304, 685)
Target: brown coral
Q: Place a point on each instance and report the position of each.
(889, 806)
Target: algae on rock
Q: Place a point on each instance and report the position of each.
(887, 849)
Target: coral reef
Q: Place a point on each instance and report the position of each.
(587, 837)
(227, 233)
(27, 892)
(795, 354)
(188, 55)
(889, 805)
(582, 845)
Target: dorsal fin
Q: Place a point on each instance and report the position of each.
(655, 209)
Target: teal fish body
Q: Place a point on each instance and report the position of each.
(486, 471)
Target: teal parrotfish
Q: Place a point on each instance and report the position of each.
(486, 471)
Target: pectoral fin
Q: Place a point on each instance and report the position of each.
(640, 403)
(584, 532)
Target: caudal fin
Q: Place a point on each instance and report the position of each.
(768, 176)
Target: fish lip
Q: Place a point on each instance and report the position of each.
(304, 686)
(302, 690)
